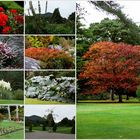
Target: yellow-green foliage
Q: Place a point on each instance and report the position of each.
(38, 41)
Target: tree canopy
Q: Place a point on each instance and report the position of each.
(115, 9)
(111, 66)
(112, 30)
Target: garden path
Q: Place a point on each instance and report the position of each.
(46, 135)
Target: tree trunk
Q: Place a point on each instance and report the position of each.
(120, 98)
(9, 113)
(32, 8)
(17, 116)
(127, 97)
(112, 95)
(46, 7)
(29, 12)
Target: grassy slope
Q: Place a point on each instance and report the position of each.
(14, 135)
(108, 121)
(11, 101)
(36, 101)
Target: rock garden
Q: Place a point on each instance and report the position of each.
(52, 89)
(49, 52)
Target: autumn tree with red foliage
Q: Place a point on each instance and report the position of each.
(112, 67)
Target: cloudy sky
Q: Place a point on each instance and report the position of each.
(66, 7)
(61, 111)
(130, 8)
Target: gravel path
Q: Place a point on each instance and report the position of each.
(46, 135)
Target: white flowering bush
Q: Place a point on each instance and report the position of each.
(5, 85)
(5, 90)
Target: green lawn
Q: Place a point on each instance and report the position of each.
(108, 121)
(64, 130)
(36, 101)
(11, 101)
(14, 135)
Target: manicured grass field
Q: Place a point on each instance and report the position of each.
(11, 101)
(63, 130)
(36, 101)
(14, 135)
(108, 121)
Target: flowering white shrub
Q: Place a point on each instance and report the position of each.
(5, 85)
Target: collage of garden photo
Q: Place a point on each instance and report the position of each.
(69, 69)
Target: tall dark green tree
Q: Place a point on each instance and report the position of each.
(56, 17)
(50, 120)
(72, 16)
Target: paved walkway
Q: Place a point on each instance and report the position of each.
(46, 135)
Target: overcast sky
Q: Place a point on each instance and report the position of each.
(66, 7)
(130, 8)
(61, 111)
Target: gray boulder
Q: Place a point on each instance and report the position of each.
(55, 98)
(31, 89)
(31, 63)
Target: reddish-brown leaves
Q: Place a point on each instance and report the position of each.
(112, 66)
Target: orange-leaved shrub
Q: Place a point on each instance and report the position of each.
(51, 58)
